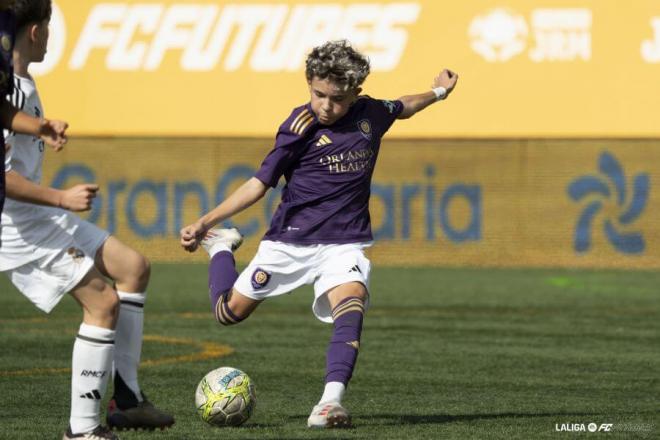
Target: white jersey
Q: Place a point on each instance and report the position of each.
(27, 231)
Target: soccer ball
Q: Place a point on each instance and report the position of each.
(225, 397)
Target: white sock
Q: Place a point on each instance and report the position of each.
(218, 247)
(128, 344)
(90, 371)
(333, 392)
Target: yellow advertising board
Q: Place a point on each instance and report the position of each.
(538, 203)
(559, 68)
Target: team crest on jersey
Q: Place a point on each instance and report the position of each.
(260, 278)
(365, 128)
(5, 42)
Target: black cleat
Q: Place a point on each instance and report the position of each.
(143, 416)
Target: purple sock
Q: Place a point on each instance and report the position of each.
(222, 276)
(345, 342)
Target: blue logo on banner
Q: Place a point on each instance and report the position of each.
(609, 187)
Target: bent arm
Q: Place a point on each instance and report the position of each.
(415, 103)
(53, 132)
(18, 121)
(77, 198)
(442, 86)
(24, 190)
(244, 197)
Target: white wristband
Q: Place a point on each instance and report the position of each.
(440, 93)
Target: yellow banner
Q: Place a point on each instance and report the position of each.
(447, 203)
(560, 68)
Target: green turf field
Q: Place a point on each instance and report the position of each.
(446, 353)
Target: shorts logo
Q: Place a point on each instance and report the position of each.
(365, 128)
(260, 278)
(75, 253)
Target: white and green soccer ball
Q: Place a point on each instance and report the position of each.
(225, 397)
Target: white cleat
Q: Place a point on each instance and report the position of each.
(229, 237)
(329, 415)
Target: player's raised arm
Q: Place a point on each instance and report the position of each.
(244, 197)
(442, 86)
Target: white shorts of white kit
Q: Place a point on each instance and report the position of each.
(45, 281)
(279, 268)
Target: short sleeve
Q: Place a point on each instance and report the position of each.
(278, 160)
(289, 146)
(7, 35)
(386, 112)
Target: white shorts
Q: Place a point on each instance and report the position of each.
(45, 281)
(279, 268)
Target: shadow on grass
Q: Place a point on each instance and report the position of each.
(437, 419)
(432, 419)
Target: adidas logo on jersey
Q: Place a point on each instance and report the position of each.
(324, 140)
(355, 269)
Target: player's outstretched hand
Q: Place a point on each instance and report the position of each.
(191, 235)
(446, 79)
(79, 198)
(53, 132)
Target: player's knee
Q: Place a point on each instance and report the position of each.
(353, 289)
(143, 269)
(138, 270)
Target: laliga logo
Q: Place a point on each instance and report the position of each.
(56, 43)
(610, 186)
(498, 35)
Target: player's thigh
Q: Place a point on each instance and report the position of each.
(118, 261)
(343, 271)
(99, 301)
(276, 269)
(46, 280)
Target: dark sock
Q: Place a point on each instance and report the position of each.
(222, 276)
(123, 396)
(345, 342)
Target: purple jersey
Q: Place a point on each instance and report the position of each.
(7, 32)
(7, 35)
(328, 171)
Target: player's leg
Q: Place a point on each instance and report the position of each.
(229, 306)
(347, 305)
(130, 273)
(44, 282)
(92, 356)
(344, 279)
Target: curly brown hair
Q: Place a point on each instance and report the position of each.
(339, 62)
